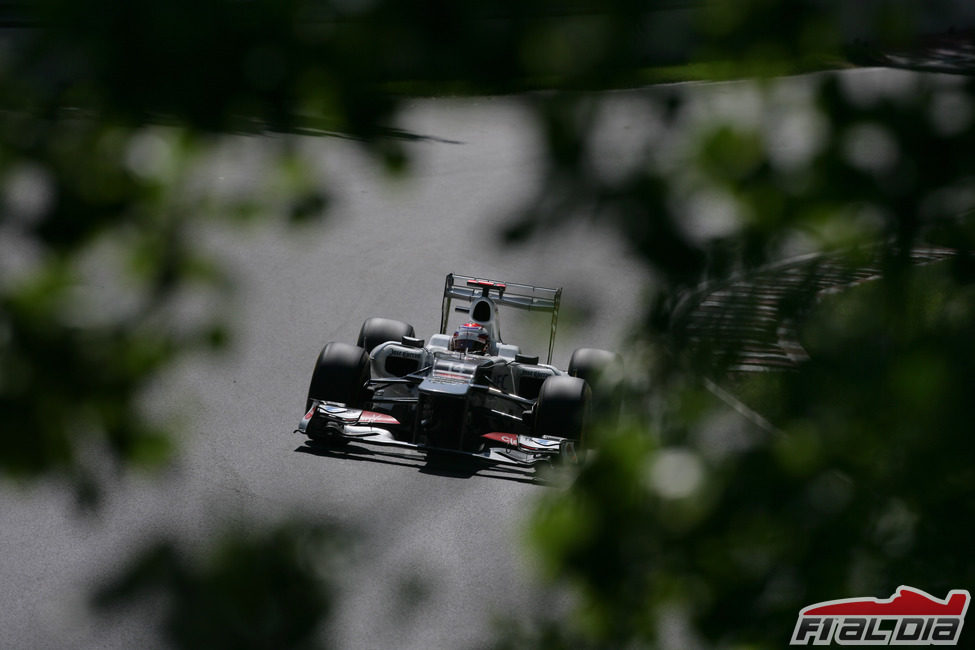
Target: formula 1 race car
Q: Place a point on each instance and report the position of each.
(467, 393)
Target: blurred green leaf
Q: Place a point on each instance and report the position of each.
(253, 589)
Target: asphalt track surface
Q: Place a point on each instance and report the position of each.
(440, 559)
(440, 552)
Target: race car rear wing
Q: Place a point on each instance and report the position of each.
(510, 294)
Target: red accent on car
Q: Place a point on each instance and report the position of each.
(371, 417)
(486, 283)
(907, 601)
(504, 438)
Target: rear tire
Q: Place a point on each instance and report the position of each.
(591, 363)
(562, 408)
(379, 330)
(340, 375)
(602, 371)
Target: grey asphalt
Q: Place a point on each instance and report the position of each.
(451, 544)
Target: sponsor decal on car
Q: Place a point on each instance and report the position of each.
(371, 417)
(909, 617)
(504, 438)
(525, 443)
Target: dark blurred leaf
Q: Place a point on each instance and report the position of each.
(254, 589)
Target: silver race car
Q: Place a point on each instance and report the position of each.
(467, 392)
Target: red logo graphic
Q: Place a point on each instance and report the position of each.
(504, 438)
(909, 617)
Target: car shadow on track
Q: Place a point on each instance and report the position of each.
(437, 464)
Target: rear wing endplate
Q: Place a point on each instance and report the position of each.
(510, 294)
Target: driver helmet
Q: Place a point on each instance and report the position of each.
(470, 338)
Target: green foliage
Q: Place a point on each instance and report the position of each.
(858, 485)
(267, 589)
(729, 531)
(726, 531)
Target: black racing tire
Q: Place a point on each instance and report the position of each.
(379, 330)
(340, 375)
(562, 408)
(590, 363)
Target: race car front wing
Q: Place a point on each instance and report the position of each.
(335, 421)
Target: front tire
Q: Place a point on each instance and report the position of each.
(562, 408)
(340, 375)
